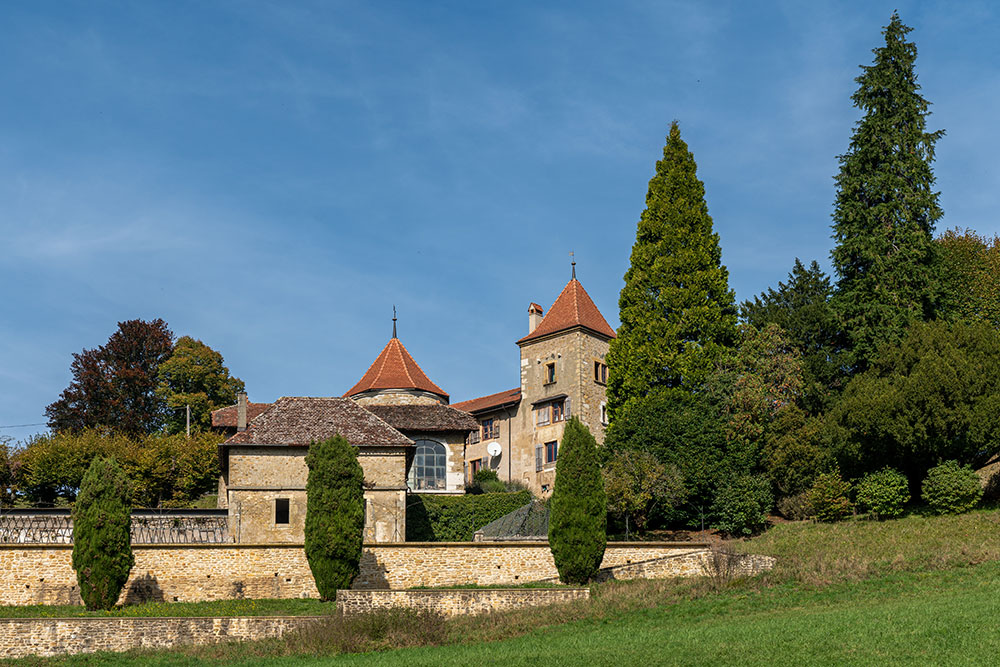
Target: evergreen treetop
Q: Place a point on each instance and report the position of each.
(886, 206)
(677, 311)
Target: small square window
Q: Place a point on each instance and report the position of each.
(600, 372)
(280, 510)
(550, 373)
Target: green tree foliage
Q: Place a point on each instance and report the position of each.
(486, 481)
(635, 482)
(796, 451)
(447, 518)
(886, 205)
(742, 505)
(934, 397)
(830, 497)
(970, 273)
(114, 386)
(801, 307)
(753, 382)
(680, 429)
(578, 519)
(195, 375)
(169, 471)
(677, 311)
(335, 514)
(7, 467)
(102, 543)
(951, 488)
(883, 493)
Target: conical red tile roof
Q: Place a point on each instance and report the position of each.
(573, 308)
(394, 368)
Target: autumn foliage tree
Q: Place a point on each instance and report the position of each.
(970, 273)
(114, 385)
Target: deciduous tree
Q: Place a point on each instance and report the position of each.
(677, 311)
(579, 509)
(635, 482)
(114, 386)
(195, 376)
(970, 274)
(335, 514)
(886, 206)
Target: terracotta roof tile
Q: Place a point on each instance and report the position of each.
(228, 416)
(491, 401)
(394, 368)
(573, 308)
(438, 418)
(298, 421)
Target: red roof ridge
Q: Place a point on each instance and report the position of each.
(395, 368)
(489, 401)
(572, 308)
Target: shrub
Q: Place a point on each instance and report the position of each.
(102, 543)
(486, 481)
(883, 493)
(578, 508)
(636, 481)
(795, 508)
(742, 505)
(951, 489)
(829, 498)
(437, 518)
(335, 514)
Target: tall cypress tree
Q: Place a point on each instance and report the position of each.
(102, 541)
(677, 311)
(886, 205)
(578, 508)
(335, 514)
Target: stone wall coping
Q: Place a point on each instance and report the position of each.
(480, 589)
(375, 545)
(104, 619)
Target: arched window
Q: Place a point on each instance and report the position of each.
(430, 465)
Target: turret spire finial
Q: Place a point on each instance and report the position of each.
(393, 320)
(572, 258)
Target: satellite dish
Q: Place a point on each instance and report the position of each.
(494, 449)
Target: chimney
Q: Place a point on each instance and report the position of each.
(534, 316)
(241, 412)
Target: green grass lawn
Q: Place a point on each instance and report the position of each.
(920, 590)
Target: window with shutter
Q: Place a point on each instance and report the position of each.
(539, 457)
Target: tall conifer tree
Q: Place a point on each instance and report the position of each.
(886, 205)
(677, 311)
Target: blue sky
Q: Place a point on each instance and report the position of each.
(272, 177)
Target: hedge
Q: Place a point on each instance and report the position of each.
(440, 518)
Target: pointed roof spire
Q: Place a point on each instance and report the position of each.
(572, 261)
(573, 308)
(393, 320)
(394, 368)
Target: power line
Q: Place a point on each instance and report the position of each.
(23, 425)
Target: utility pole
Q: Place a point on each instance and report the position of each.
(188, 428)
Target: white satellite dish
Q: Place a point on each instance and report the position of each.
(494, 449)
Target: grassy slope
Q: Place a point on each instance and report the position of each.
(855, 592)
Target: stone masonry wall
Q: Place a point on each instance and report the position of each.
(457, 602)
(43, 574)
(21, 637)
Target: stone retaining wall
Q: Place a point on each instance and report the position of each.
(455, 602)
(20, 637)
(43, 574)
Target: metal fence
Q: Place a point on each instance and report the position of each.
(149, 526)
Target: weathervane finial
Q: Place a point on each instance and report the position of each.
(572, 258)
(393, 320)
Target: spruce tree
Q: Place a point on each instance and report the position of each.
(886, 205)
(677, 311)
(102, 542)
(578, 507)
(335, 514)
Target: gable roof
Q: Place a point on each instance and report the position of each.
(394, 368)
(433, 418)
(573, 308)
(228, 416)
(511, 396)
(299, 420)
